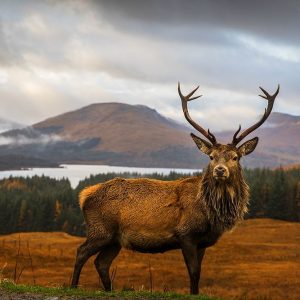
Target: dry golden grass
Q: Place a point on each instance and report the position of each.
(259, 259)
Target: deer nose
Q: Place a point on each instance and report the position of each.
(220, 170)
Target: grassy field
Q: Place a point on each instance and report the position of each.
(15, 291)
(259, 259)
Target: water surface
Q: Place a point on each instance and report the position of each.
(75, 173)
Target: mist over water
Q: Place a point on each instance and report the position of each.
(75, 173)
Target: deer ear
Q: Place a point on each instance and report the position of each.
(248, 147)
(203, 145)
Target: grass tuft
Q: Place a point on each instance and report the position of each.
(11, 287)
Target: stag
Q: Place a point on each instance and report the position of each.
(153, 216)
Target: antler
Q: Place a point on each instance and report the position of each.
(184, 101)
(270, 99)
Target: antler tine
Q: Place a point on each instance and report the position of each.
(211, 135)
(267, 95)
(184, 101)
(237, 132)
(188, 97)
(270, 99)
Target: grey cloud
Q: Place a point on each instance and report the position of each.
(6, 125)
(7, 55)
(272, 19)
(66, 54)
(22, 140)
(27, 136)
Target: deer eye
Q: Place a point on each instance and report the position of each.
(235, 158)
(211, 157)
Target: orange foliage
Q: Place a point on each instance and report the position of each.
(14, 184)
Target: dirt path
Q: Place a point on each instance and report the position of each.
(29, 296)
(7, 295)
(4, 295)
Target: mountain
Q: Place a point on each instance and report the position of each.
(6, 125)
(292, 166)
(136, 135)
(119, 127)
(279, 141)
(132, 135)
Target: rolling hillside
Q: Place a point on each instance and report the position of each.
(119, 128)
(256, 260)
(136, 135)
(279, 142)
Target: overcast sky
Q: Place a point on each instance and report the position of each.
(57, 56)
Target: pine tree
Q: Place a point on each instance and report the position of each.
(276, 207)
(22, 216)
(297, 202)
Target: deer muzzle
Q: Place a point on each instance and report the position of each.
(220, 172)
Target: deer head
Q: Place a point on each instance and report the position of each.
(224, 159)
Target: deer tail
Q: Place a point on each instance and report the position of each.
(87, 193)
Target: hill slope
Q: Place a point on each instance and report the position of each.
(136, 135)
(256, 260)
(119, 127)
(279, 141)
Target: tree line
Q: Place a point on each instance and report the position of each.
(47, 204)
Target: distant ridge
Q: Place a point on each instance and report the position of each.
(137, 127)
(136, 135)
(291, 166)
(279, 142)
(6, 125)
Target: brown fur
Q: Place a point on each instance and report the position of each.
(155, 216)
(86, 193)
(226, 203)
(148, 215)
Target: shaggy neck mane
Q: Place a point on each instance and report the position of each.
(226, 201)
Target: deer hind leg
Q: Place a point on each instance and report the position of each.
(84, 252)
(103, 262)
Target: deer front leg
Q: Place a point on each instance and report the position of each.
(191, 258)
(200, 255)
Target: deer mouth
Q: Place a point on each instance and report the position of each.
(220, 177)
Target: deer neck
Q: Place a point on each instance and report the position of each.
(226, 202)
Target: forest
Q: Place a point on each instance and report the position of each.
(46, 204)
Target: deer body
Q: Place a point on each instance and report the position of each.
(154, 216)
(165, 207)
(171, 211)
